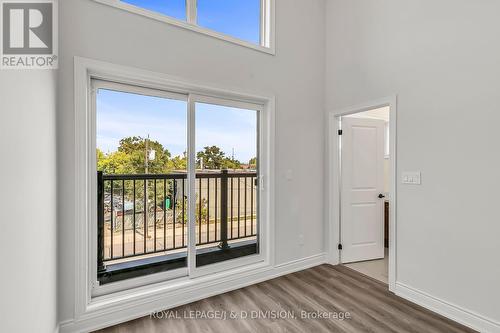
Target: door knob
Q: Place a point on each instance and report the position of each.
(381, 196)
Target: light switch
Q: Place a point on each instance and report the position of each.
(412, 178)
(289, 174)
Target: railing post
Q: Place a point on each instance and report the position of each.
(100, 222)
(223, 209)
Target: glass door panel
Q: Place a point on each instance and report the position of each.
(226, 209)
(141, 160)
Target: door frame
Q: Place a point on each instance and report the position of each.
(334, 180)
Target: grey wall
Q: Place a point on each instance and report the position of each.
(295, 75)
(28, 201)
(442, 59)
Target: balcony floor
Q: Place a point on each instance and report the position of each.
(324, 288)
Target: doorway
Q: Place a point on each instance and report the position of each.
(364, 187)
(365, 191)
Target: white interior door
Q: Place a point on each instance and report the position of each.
(362, 225)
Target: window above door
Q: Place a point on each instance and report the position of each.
(248, 23)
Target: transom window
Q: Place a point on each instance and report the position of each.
(240, 19)
(245, 22)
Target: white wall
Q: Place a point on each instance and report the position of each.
(28, 201)
(442, 59)
(295, 75)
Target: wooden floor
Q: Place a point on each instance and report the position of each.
(330, 290)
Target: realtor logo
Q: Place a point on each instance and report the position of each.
(29, 37)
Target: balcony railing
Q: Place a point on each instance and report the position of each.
(146, 215)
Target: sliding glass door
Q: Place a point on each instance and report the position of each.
(177, 184)
(226, 161)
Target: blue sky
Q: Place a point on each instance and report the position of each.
(120, 115)
(238, 18)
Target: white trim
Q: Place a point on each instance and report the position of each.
(88, 307)
(333, 197)
(231, 103)
(100, 292)
(268, 24)
(192, 11)
(191, 186)
(187, 293)
(268, 44)
(155, 80)
(134, 89)
(447, 309)
(82, 288)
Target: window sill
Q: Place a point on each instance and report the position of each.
(185, 25)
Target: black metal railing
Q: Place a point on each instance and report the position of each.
(146, 214)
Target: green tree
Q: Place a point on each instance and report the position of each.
(210, 158)
(228, 163)
(130, 158)
(178, 163)
(114, 163)
(214, 158)
(135, 147)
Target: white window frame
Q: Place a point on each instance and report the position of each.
(267, 23)
(91, 299)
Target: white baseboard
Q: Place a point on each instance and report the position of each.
(448, 310)
(201, 291)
